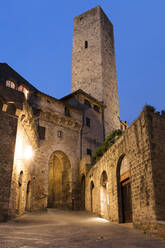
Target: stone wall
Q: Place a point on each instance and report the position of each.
(142, 144)
(8, 128)
(157, 139)
(23, 167)
(92, 135)
(93, 66)
(62, 136)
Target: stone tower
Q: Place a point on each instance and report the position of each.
(93, 62)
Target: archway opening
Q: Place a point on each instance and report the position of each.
(124, 190)
(83, 192)
(28, 197)
(104, 197)
(19, 193)
(1, 105)
(60, 181)
(92, 195)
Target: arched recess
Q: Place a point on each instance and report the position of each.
(28, 197)
(124, 190)
(11, 108)
(83, 192)
(104, 197)
(1, 104)
(19, 193)
(92, 195)
(60, 181)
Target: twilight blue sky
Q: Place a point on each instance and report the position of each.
(36, 40)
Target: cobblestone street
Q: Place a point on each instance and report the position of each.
(69, 229)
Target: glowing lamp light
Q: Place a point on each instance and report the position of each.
(28, 152)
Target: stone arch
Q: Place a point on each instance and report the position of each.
(28, 196)
(92, 195)
(104, 197)
(124, 190)
(60, 181)
(83, 192)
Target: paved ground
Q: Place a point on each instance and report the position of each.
(69, 229)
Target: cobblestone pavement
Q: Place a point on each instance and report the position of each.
(57, 228)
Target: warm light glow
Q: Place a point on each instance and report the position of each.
(18, 149)
(28, 152)
(101, 220)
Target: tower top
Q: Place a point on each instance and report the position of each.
(96, 11)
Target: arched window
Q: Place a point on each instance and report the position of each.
(10, 84)
(24, 90)
(104, 179)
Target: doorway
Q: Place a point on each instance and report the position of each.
(60, 181)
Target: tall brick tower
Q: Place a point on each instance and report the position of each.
(93, 62)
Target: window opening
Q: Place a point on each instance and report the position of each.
(67, 111)
(41, 132)
(88, 122)
(10, 84)
(87, 103)
(86, 44)
(89, 152)
(96, 108)
(59, 134)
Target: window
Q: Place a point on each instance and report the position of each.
(86, 44)
(10, 84)
(96, 108)
(88, 122)
(24, 90)
(41, 132)
(89, 152)
(59, 134)
(87, 103)
(67, 112)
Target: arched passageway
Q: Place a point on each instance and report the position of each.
(104, 197)
(124, 190)
(60, 181)
(1, 105)
(83, 192)
(19, 193)
(92, 195)
(28, 197)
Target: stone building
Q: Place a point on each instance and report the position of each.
(47, 143)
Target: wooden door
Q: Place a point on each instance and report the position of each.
(126, 200)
